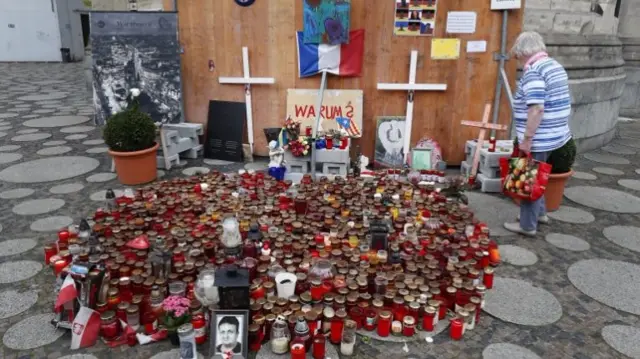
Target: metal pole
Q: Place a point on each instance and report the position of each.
(501, 57)
(323, 85)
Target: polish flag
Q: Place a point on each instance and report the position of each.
(85, 328)
(68, 292)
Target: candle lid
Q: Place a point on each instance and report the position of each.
(108, 315)
(488, 270)
(385, 314)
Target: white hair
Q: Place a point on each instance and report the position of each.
(528, 44)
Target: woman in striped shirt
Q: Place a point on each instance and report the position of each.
(541, 110)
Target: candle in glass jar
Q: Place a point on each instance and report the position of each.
(50, 250)
(429, 319)
(319, 346)
(408, 326)
(109, 325)
(455, 331)
(298, 351)
(384, 323)
(396, 328)
(487, 279)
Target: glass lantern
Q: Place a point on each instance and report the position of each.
(231, 238)
(205, 289)
(233, 287)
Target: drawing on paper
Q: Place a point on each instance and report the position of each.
(326, 21)
(415, 17)
(389, 142)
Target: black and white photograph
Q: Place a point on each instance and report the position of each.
(136, 50)
(229, 334)
(389, 142)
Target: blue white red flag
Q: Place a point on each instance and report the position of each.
(341, 60)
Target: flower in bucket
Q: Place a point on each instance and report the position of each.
(176, 312)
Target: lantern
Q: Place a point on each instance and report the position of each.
(233, 287)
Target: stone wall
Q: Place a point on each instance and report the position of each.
(629, 33)
(587, 45)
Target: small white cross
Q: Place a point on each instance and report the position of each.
(247, 81)
(411, 87)
(484, 126)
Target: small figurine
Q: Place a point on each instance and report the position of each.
(276, 163)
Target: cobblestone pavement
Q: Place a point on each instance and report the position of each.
(570, 292)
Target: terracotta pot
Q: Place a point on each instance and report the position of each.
(136, 167)
(554, 192)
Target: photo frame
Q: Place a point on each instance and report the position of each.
(421, 159)
(228, 327)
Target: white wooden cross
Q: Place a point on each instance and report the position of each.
(247, 81)
(411, 87)
(484, 126)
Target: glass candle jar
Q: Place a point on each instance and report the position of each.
(109, 327)
(408, 326)
(319, 346)
(337, 325)
(298, 351)
(487, 279)
(121, 311)
(348, 341)
(133, 317)
(455, 330)
(429, 318)
(384, 323)
(396, 328)
(280, 336)
(187, 338)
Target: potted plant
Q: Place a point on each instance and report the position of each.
(561, 161)
(176, 313)
(131, 137)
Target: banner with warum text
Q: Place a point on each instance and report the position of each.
(302, 105)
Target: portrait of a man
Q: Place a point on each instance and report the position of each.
(229, 337)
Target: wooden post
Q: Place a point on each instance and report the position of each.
(411, 87)
(247, 81)
(484, 126)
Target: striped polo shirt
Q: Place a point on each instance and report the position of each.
(545, 83)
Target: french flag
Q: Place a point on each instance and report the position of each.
(341, 60)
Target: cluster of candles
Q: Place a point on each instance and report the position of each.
(435, 259)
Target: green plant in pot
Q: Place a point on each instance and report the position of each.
(561, 161)
(131, 136)
(176, 313)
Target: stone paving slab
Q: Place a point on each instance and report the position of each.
(557, 318)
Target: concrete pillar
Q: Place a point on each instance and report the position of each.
(629, 33)
(587, 45)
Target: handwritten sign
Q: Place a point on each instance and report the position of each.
(302, 105)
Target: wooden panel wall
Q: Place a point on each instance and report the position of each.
(217, 30)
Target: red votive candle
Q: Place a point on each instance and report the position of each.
(455, 330)
(319, 344)
(63, 236)
(50, 250)
(297, 351)
(384, 323)
(408, 326)
(487, 279)
(428, 319)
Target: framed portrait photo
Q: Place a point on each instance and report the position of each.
(229, 334)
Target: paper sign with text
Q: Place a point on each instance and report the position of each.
(505, 4)
(302, 105)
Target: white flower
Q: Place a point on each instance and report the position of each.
(305, 152)
(135, 92)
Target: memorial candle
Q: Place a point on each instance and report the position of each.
(384, 323)
(487, 279)
(298, 351)
(455, 331)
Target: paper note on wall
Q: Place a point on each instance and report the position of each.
(477, 46)
(445, 49)
(461, 22)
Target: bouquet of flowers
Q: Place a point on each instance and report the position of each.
(293, 129)
(176, 312)
(299, 147)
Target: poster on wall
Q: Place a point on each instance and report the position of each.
(136, 50)
(415, 17)
(326, 21)
(389, 142)
(302, 105)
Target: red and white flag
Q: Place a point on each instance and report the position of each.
(85, 328)
(68, 292)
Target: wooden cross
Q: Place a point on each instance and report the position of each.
(247, 81)
(484, 126)
(411, 87)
